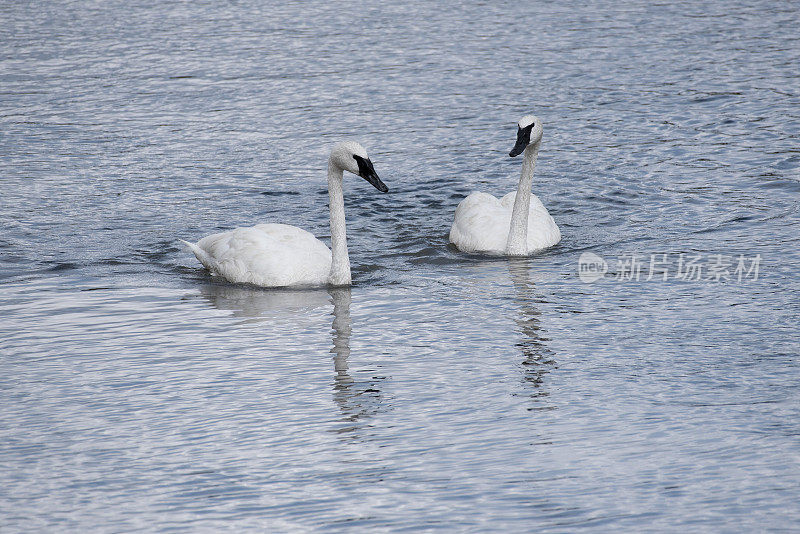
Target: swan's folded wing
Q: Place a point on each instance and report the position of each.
(543, 232)
(508, 200)
(269, 255)
(480, 225)
(542, 229)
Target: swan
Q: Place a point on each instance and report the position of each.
(279, 255)
(516, 225)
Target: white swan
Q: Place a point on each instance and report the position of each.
(279, 255)
(516, 225)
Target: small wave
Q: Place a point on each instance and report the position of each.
(62, 266)
(279, 193)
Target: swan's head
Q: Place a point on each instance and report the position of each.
(529, 130)
(351, 157)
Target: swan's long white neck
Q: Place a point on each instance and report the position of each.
(517, 244)
(340, 265)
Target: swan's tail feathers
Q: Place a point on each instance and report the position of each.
(200, 254)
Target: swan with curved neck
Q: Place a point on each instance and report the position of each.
(279, 255)
(516, 225)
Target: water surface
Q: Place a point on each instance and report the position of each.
(443, 391)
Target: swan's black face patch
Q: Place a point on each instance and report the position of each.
(367, 172)
(523, 140)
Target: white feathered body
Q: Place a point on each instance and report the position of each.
(271, 255)
(482, 223)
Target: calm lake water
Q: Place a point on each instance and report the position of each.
(443, 391)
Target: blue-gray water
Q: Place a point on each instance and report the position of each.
(444, 391)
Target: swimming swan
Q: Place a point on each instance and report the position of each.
(278, 255)
(516, 225)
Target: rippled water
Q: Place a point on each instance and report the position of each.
(443, 391)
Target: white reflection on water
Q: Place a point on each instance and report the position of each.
(255, 304)
(356, 398)
(537, 358)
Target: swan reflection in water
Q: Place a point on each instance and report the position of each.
(357, 399)
(254, 304)
(537, 357)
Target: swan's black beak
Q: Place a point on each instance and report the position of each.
(367, 172)
(523, 140)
